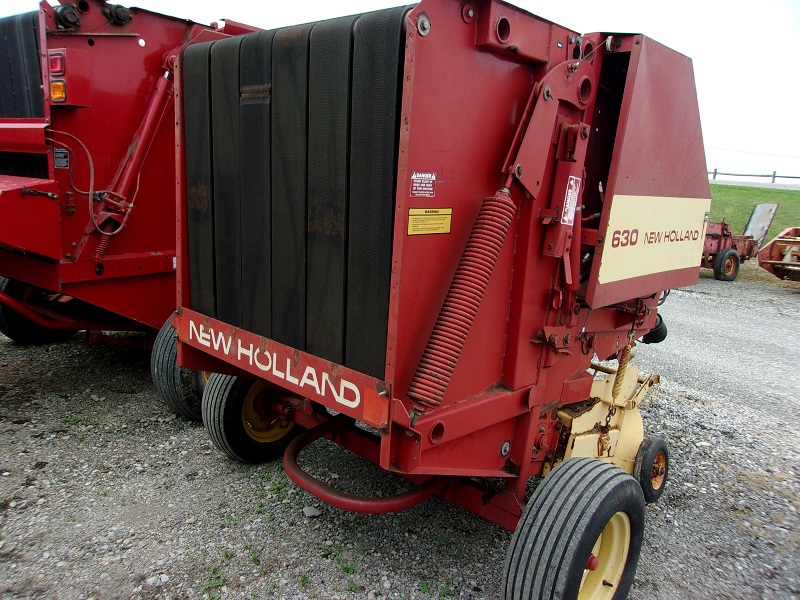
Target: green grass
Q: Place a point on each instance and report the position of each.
(734, 203)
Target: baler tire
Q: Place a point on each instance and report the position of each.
(180, 388)
(651, 467)
(585, 507)
(657, 334)
(21, 329)
(726, 264)
(240, 424)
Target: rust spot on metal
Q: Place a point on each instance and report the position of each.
(328, 222)
(546, 408)
(335, 371)
(198, 197)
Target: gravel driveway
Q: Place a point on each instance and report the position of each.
(105, 494)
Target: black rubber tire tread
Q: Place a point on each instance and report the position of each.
(21, 329)
(658, 333)
(179, 388)
(719, 264)
(642, 467)
(560, 525)
(223, 399)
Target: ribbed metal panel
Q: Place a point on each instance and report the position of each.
(301, 165)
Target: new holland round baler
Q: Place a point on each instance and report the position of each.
(417, 232)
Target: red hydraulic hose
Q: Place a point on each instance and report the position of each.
(341, 499)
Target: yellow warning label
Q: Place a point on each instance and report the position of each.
(428, 221)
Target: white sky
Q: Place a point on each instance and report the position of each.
(744, 54)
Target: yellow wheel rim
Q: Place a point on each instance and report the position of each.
(263, 415)
(611, 550)
(659, 473)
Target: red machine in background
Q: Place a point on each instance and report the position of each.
(413, 232)
(724, 252)
(781, 256)
(87, 172)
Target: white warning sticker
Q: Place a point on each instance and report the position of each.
(423, 185)
(571, 200)
(61, 158)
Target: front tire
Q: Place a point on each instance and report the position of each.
(247, 419)
(579, 537)
(652, 467)
(726, 264)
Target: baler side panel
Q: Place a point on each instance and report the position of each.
(314, 156)
(658, 156)
(460, 117)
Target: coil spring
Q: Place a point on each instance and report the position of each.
(104, 239)
(461, 303)
(624, 359)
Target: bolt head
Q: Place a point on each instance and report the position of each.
(423, 25)
(505, 448)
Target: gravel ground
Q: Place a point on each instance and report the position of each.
(105, 494)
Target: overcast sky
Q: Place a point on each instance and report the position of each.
(744, 54)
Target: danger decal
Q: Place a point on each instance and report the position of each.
(423, 185)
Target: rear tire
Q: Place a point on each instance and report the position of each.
(20, 328)
(181, 389)
(247, 419)
(726, 264)
(584, 508)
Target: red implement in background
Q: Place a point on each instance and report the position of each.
(87, 167)
(724, 251)
(781, 256)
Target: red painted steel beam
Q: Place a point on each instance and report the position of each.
(23, 135)
(52, 323)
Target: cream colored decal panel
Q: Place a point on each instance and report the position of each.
(650, 234)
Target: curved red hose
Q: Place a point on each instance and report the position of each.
(344, 500)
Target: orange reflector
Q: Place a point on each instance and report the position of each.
(58, 91)
(56, 63)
